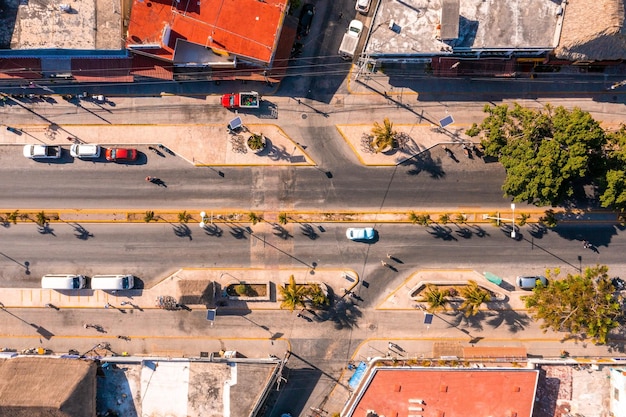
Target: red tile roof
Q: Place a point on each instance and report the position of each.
(248, 28)
(454, 392)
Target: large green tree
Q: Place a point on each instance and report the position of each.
(582, 305)
(614, 185)
(544, 151)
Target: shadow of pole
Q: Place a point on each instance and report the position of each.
(533, 245)
(265, 242)
(327, 375)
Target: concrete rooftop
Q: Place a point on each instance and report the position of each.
(482, 24)
(42, 24)
(183, 388)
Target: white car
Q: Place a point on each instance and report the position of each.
(360, 233)
(84, 150)
(42, 151)
(363, 6)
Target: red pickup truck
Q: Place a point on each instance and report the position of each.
(248, 100)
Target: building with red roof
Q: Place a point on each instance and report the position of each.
(109, 41)
(443, 392)
(210, 34)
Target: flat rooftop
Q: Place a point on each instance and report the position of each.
(44, 24)
(183, 388)
(482, 24)
(450, 392)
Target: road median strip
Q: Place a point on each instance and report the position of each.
(439, 216)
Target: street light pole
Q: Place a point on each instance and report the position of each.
(513, 235)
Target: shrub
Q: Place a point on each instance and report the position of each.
(243, 289)
(256, 142)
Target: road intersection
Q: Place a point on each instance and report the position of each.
(313, 138)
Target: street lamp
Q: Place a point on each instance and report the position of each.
(202, 222)
(513, 235)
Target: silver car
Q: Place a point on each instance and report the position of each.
(530, 282)
(85, 150)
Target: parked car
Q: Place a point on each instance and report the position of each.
(363, 6)
(120, 154)
(528, 283)
(360, 233)
(84, 150)
(42, 151)
(306, 18)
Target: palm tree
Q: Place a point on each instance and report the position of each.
(282, 218)
(473, 296)
(444, 218)
(256, 142)
(254, 218)
(293, 295)
(317, 296)
(523, 219)
(41, 218)
(435, 298)
(384, 136)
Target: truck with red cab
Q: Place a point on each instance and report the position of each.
(247, 100)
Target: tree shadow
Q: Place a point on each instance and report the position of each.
(515, 322)
(537, 230)
(463, 232)
(458, 320)
(45, 229)
(423, 162)
(441, 232)
(308, 231)
(281, 232)
(215, 230)
(80, 232)
(344, 314)
(238, 232)
(182, 230)
(479, 231)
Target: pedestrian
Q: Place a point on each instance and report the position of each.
(389, 255)
(586, 244)
(107, 305)
(149, 179)
(383, 263)
(298, 315)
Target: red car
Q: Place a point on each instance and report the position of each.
(120, 154)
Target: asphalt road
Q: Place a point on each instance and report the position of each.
(152, 251)
(439, 182)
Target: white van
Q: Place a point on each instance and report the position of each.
(63, 282)
(112, 282)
